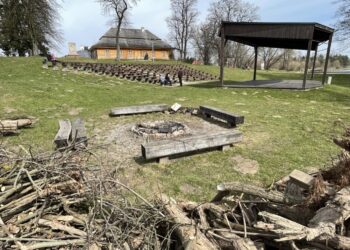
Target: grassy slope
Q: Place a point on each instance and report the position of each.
(283, 130)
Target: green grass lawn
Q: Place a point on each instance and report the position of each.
(284, 129)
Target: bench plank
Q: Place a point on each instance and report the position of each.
(165, 148)
(62, 137)
(232, 119)
(79, 132)
(138, 109)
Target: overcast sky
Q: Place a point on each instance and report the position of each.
(84, 23)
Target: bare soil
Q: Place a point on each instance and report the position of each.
(124, 146)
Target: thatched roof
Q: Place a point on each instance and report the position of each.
(131, 39)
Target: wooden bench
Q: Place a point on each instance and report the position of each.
(71, 134)
(62, 137)
(232, 119)
(143, 109)
(164, 149)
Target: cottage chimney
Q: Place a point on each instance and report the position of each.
(143, 29)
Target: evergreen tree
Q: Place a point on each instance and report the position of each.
(29, 26)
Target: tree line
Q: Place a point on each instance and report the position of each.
(185, 30)
(31, 26)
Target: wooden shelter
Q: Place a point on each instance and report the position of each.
(301, 36)
(134, 45)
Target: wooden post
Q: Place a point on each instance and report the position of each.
(222, 59)
(307, 62)
(327, 59)
(313, 66)
(255, 62)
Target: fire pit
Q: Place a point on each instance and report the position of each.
(160, 129)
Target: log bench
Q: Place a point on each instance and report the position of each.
(71, 133)
(62, 137)
(162, 150)
(143, 109)
(232, 119)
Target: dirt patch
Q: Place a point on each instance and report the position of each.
(75, 111)
(124, 145)
(187, 188)
(255, 139)
(245, 166)
(9, 110)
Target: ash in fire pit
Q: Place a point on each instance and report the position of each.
(160, 129)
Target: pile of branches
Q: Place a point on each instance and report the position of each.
(63, 200)
(67, 200)
(301, 211)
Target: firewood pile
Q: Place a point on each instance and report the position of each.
(57, 201)
(301, 211)
(12, 126)
(65, 200)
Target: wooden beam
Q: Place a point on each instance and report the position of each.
(230, 118)
(307, 63)
(222, 53)
(302, 179)
(327, 59)
(255, 62)
(165, 148)
(62, 137)
(131, 110)
(79, 132)
(314, 64)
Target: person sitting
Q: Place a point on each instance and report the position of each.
(146, 57)
(162, 80)
(167, 80)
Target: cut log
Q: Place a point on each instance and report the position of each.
(79, 132)
(8, 127)
(289, 230)
(165, 148)
(23, 123)
(63, 134)
(138, 109)
(322, 228)
(232, 119)
(301, 179)
(299, 214)
(237, 187)
(229, 240)
(190, 236)
(335, 213)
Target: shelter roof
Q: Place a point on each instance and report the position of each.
(277, 35)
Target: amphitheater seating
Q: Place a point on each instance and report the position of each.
(141, 72)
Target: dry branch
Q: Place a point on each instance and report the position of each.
(190, 236)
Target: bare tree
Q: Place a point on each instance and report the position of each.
(343, 25)
(234, 11)
(287, 58)
(202, 41)
(181, 23)
(120, 9)
(270, 57)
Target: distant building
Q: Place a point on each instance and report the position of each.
(84, 52)
(134, 44)
(72, 50)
